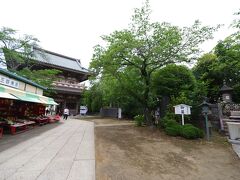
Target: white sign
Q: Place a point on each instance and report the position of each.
(9, 82)
(182, 109)
(119, 113)
(83, 110)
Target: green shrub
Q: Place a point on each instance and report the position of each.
(189, 131)
(170, 123)
(165, 122)
(139, 120)
(161, 123)
(173, 130)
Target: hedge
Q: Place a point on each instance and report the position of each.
(187, 131)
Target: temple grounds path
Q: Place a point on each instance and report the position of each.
(66, 150)
(126, 152)
(59, 151)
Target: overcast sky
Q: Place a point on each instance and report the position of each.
(74, 27)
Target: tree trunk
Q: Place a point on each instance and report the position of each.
(147, 116)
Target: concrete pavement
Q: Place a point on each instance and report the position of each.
(61, 151)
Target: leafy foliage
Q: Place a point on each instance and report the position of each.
(173, 79)
(173, 130)
(189, 131)
(17, 53)
(131, 56)
(108, 92)
(43, 77)
(139, 120)
(223, 64)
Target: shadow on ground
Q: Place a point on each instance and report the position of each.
(8, 140)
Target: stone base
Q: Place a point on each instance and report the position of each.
(235, 146)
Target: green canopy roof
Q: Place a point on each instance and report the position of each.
(29, 98)
(51, 101)
(6, 95)
(11, 93)
(2, 89)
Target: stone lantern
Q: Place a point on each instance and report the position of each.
(226, 93)
(205, 111)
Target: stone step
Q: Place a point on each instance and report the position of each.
(231, 120)
(225, 126)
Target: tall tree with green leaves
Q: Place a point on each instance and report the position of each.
(173, 80)
(222, 64)
(144, 48)
(16, 52)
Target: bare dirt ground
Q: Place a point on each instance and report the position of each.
(126, 152)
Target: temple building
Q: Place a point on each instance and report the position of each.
(70, 83)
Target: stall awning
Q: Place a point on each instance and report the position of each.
(7, 95)
(25, 96)
(51, 101)
(47, 100)
(29, 98)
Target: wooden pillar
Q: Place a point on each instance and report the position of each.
(64, 104)
(77, 107)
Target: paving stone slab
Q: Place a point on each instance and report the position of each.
(64, 152)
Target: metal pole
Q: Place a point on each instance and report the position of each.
(182, 119)
(207, 129)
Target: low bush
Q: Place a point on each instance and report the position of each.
(189, 131)
(165, 122)
(139, 120)
(173, 130)
(170, 123)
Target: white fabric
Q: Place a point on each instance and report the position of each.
(66, 111)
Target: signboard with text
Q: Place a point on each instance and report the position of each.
(9, 82)
(83, 110)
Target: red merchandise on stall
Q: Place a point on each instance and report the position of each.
(22, 103)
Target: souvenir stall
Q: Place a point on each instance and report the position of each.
(22, 104)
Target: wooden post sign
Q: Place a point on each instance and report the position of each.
(182, 109)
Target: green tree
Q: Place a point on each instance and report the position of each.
(206, 71)
(221, 65)
(17, 54)
(93, 98)
(173, 80)
(178, 83)
(144, 48)
(108, 92)
(44, 77)
(16, 51)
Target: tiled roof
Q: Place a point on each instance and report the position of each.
(48, 57)
(20, 78)
(226, 88)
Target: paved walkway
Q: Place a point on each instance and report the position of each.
(59, 151)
